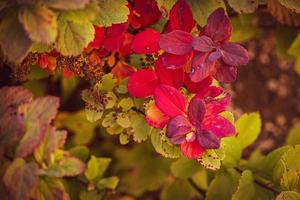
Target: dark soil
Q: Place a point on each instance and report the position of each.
(270, 86)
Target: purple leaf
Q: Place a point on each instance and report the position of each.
(176, 42)
(177, 129)
(37, 115)
(208, 140)
(226, 73)
(21, 180)
(172, 61)
(203, 44)
(214, 56)
(234, 54)
(196, 111)
(218, 26)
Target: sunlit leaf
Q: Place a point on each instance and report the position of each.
(96, 168)
(294, 135)
(73, 37)
(112, 12)
(39, 22)
(163, 146)
(211, 159)
(108, 183)
(248, 127)
(201, 9)
(67, 5)
(67, 166)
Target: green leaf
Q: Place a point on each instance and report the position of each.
(37, 115)
(40, 48)
(66, 166)
(243, 28)
(288, 195)
(39, 22)
(246, 188)
(90, 195)
(67, 5)
(223, 185)
(287, 170)
(112, 12)
(108, 82)
(108, 183)
(184, 168)
(232, 151)
(81, 152)
(80, 126)
(84, 15)
(228, 115)
(94, 106)
(294, 135)
(178, 189)
(111, 100)
(243, 6)
(166, 4)
(53, 140)
(14, 41)
(123, 138)
(96, 168)
(294, 5)
(140, 127)
(211, 159)
(163, 146)
(126, 104)
(201, 9)
(123, 120)
(248, 127)
(51, 189)
(21, 179)
(295, 47)
(73, 37)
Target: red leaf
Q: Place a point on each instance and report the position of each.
(196, 111)
(170, 101)
(195, 87)
(146, 42)
(191, 150)
(177, 129)
(121, 71)
(146, 13)
(234, 54)
(172, 77)
(181, 17)
(156, 118)
(202, 67)
(99, 37)
(172, 61)
(203, 44)
(142, 83)
(114, 36)
(176, 42)
(216, 106)
(210, 91)
(219, 126)
(218, 26)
